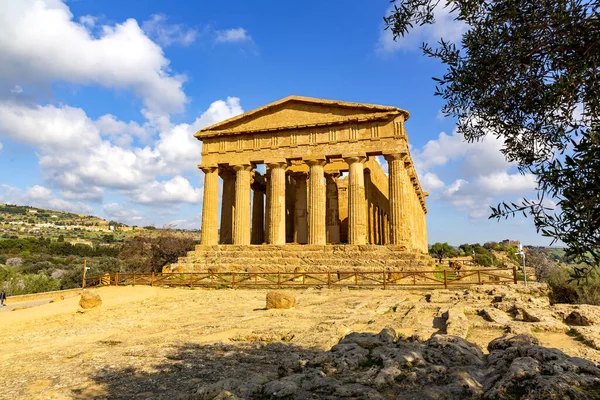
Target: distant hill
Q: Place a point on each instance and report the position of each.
(32, 215)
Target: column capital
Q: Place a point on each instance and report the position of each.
(399, 155)
(314, 160)
(276, 163)
(243, 167)
(354, 158)
(208, 168)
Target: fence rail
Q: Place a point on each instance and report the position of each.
(383, 279)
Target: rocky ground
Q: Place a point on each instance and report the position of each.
(490, 342)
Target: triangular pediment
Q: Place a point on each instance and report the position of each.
(296, 111)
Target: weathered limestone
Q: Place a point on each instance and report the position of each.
(258, 213)
(276, 202)
(241, 220)
(308, 145)
(332, 217)
(316, 202)
(301, 210)
(226, 232)
(399, 191)
(210, 210)
(356, 200)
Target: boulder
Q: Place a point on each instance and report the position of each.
(279, 299)
(90, 299)
(584, 315)
(495, 315)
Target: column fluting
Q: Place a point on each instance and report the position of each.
(316, 202)
(210, 207)
(276, 218)
(241, 216)
(357, 208)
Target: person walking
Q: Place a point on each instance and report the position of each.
(2, 298)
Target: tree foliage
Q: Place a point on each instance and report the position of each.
(527, 72)
(441, 250)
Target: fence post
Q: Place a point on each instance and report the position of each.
(278, 279)
(152, 282)
(116, 279)
(191, 280)
(384, 281)
(233, 280)
(479, 276)
(445, 279)
(514, 274)
(356, 278)
(329, 279)
(134, 279)
(414, 279)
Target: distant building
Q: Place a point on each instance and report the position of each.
(82, 241)
(32, 211)
(509, 242)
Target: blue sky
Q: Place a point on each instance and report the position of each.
(99, 101)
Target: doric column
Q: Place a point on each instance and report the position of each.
(210, 206)
(241, 213)
(332, 206)
(290, 200)
(276, 217)
(400, 198)
(300, 209)
(316, 202)
(413, 216)
(227, 205)
(268, 204)
(258, 213)
(357, 208)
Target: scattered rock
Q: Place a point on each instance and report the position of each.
(494, 315)
(584, 315)
(457, 323)
(279, 299)
(590, 335)
(90, 299)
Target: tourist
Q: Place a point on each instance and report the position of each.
(2, 298)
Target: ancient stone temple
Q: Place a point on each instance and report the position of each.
(322, 191)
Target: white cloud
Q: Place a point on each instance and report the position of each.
(481, 174)
(430, 181)
(179, 147)
(232, 35)
(61, 133)
(176, 190)
(120, 213)
(41, 43)
(167, 34)
(444, 27)
(42, 197)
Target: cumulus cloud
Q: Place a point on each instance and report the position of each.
(430, 181)
(120, 213)
(168, 34)
(42, 197)
(60, 134)
(444, 27)
(176, 190)
(235, 35)
(479, 172)
(41, 43)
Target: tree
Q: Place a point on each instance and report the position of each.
(527, 72)
(441, 250)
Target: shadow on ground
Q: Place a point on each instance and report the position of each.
(361, 366)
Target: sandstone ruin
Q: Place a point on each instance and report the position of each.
(324, 198)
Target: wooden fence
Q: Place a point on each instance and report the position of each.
(382, 279)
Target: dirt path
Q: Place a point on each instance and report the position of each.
(54, 352)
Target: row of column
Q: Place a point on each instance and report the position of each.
(313, 201)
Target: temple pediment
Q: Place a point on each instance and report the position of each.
(297, 112)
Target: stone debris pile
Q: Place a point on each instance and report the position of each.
(384, 366)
